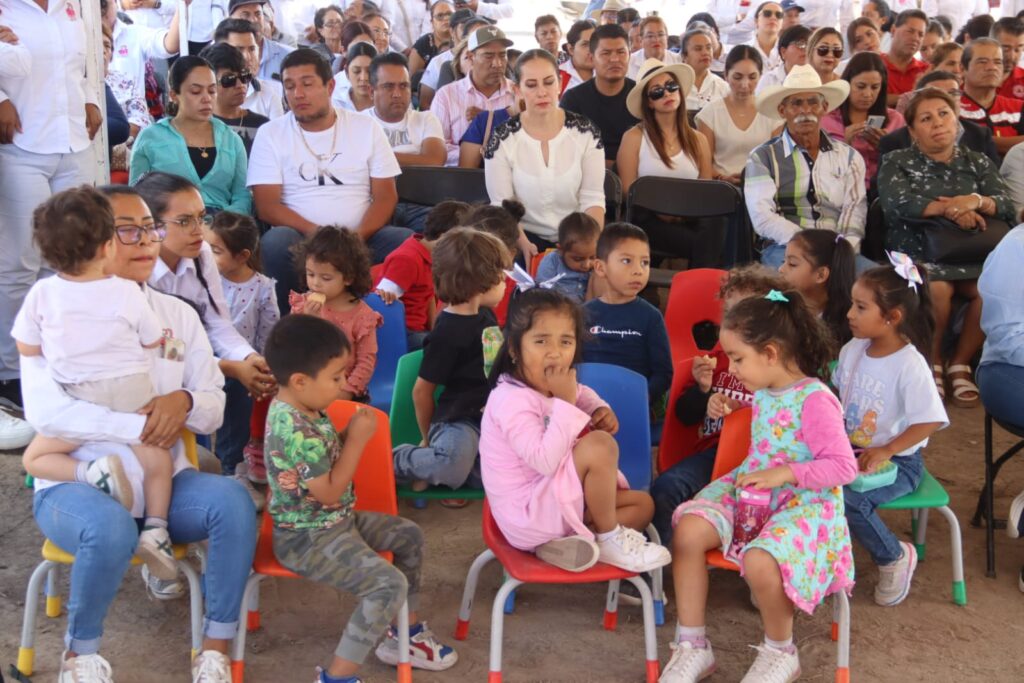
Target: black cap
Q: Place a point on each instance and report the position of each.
(235, 4)
(460, 16)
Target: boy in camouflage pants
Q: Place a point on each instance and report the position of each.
(317, 533)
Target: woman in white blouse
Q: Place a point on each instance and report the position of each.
(698, 50)
(549, 159)
(768, 16)
(664, 144)
(732, 125)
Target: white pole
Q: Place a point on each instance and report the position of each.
(183, 23)
(94, 65)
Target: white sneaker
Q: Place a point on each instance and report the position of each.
(107, 474)
(629, 550)
(211, 666)
(1016, 512)
(259, 499)
(155, 550)
(425, 650)
(160, 589)
(15, 433)
(894, 579)
(688, 663)
(573, 553)
(773, 666)
(85, 669)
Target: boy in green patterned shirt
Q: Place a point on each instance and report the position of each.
(317, 533)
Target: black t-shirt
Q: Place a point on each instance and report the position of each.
(246, 127)
(609, 113)
(453, 355)
(425, 47)
(203, 159)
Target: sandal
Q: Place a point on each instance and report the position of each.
(963, 387)
(940, 381)
(454, 503)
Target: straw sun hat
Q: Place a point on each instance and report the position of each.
(608, 6)
(801, 79)
(655, 67)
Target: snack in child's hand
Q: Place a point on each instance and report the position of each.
(316, 298)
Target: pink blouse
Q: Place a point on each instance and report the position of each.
(832, 124)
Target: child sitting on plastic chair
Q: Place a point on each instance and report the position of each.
(317, 533)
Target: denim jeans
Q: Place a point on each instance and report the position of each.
(410, 215)
(414, 340)
(102, 536)
(449, 458)
(234, 432)
(678, 484)
(278, 262)
(1002, 391)
(773, 254)
(861, 510)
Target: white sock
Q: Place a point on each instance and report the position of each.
(780, 645)
(155, 523)
(80, 470)
(607, 535)
(693, 634)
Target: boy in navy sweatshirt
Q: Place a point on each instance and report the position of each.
(626, 330)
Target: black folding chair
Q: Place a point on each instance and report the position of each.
(431, 185)
(986, 499)
(612, 196)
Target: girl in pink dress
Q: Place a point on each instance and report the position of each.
(548, 459)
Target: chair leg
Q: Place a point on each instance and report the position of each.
(611, 606)
(498, 628)
(920, 533)
(404, 665)
(837, 616)
(252, 585)
(26, 651)
(650, 637)
(990, 539)
(469, 593)
(657, 582)
(510, 602)
(843, 648)
(195, 596)
(252, 615)
(53, 592)
(955, 543)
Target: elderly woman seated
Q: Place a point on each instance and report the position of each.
(936, 178)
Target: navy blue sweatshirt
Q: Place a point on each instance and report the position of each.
(632, 335)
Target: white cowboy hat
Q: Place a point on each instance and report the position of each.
(648, 70)
(608, 6)
(801, 79)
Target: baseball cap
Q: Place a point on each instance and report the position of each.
(791, 4)
(487, 34)
(235, 4)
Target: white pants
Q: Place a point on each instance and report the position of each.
(27, 180)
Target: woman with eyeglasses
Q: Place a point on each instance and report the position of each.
(654, 45)
(194, 144)
(768, 19)
(381, 28)
(328, 22)
(825, 52)
(232, 82)
(438, 39)
(664, 144)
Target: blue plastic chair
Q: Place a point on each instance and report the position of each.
(391, 345)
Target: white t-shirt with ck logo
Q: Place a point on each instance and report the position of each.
(407, 136)
(333, 190)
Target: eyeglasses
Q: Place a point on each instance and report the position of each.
(767, 13)
(655, 36)
(442, 16)
(658, 91)
(191, 223)
(334, 23)
(381, 32)
(823, 51)
(132, 234)
(231, 80)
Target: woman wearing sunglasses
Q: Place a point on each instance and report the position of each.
(193, 144)
(665, 144)
(768, 18)
(825, 52)
(233, 80)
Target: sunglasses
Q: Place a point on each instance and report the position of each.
(658, 91)
(823, 51)
(767, 13)
(231, 80)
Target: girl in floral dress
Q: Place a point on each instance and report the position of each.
(798, 550)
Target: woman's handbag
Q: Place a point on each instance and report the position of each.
(947, 242)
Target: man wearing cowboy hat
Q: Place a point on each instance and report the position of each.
(803, 179)
(608, 13)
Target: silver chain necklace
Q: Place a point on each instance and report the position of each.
(334, 139)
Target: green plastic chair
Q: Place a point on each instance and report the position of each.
(930, 494)
(405, 429)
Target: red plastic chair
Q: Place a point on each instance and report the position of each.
(692, 298)
(374, 482)
(677, 439)
(522, 567)
(501, 310)
(732, 449)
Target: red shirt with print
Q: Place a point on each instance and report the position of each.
(1002, 117)
(1013, 86)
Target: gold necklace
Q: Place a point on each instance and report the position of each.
(334, 138)
(202, 150)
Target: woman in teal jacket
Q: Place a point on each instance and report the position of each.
(194, 144)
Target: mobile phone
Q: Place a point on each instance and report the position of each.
(876, 121)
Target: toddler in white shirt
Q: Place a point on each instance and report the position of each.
(95, 330)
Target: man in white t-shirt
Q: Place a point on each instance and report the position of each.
(416, 137)
(316, 166)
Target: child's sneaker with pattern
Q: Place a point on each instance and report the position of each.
(211, 666)
(155, 550)
(425, 652)
(85, 669)
(321, 677)
(630, 550)
(689, 663)
(773, 666)
(894, 579)
(107, 474)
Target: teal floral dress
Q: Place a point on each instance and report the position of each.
(908, 181)
(806, 532)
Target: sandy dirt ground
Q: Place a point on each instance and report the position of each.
(555, 633)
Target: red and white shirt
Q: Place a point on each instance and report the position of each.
(1013, 86)
(1003, 117)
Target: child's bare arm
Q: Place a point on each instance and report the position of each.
(871, 458)
(423, 402)
(29, 349)
(329, 487)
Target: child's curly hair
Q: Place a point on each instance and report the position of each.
(752, 279)
(341, 248)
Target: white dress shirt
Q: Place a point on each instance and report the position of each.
(203, 17)
(409, 19)
(51, 98)
(771, 59)
(267, 101)
(133, 47)
(150, 17)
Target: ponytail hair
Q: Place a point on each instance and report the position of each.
(785, 321)
(239, 232)
(826, 249)
(891, 292)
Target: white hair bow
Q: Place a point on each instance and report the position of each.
(524, 281)
(905, 268)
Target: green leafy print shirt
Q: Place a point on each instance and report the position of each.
(298, 449)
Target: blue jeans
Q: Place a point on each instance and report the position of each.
(447, 461)
(678, 484)
(861, 514)
(410, 215)
(102, 536)
(773, 254)
(234, 432)
(414, 340)
(1002, 391)
(278, 262)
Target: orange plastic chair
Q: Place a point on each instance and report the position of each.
(692, 298)
(374, 483)
(535, 261)
(732, 449)
(677, 439)
(522, 567)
